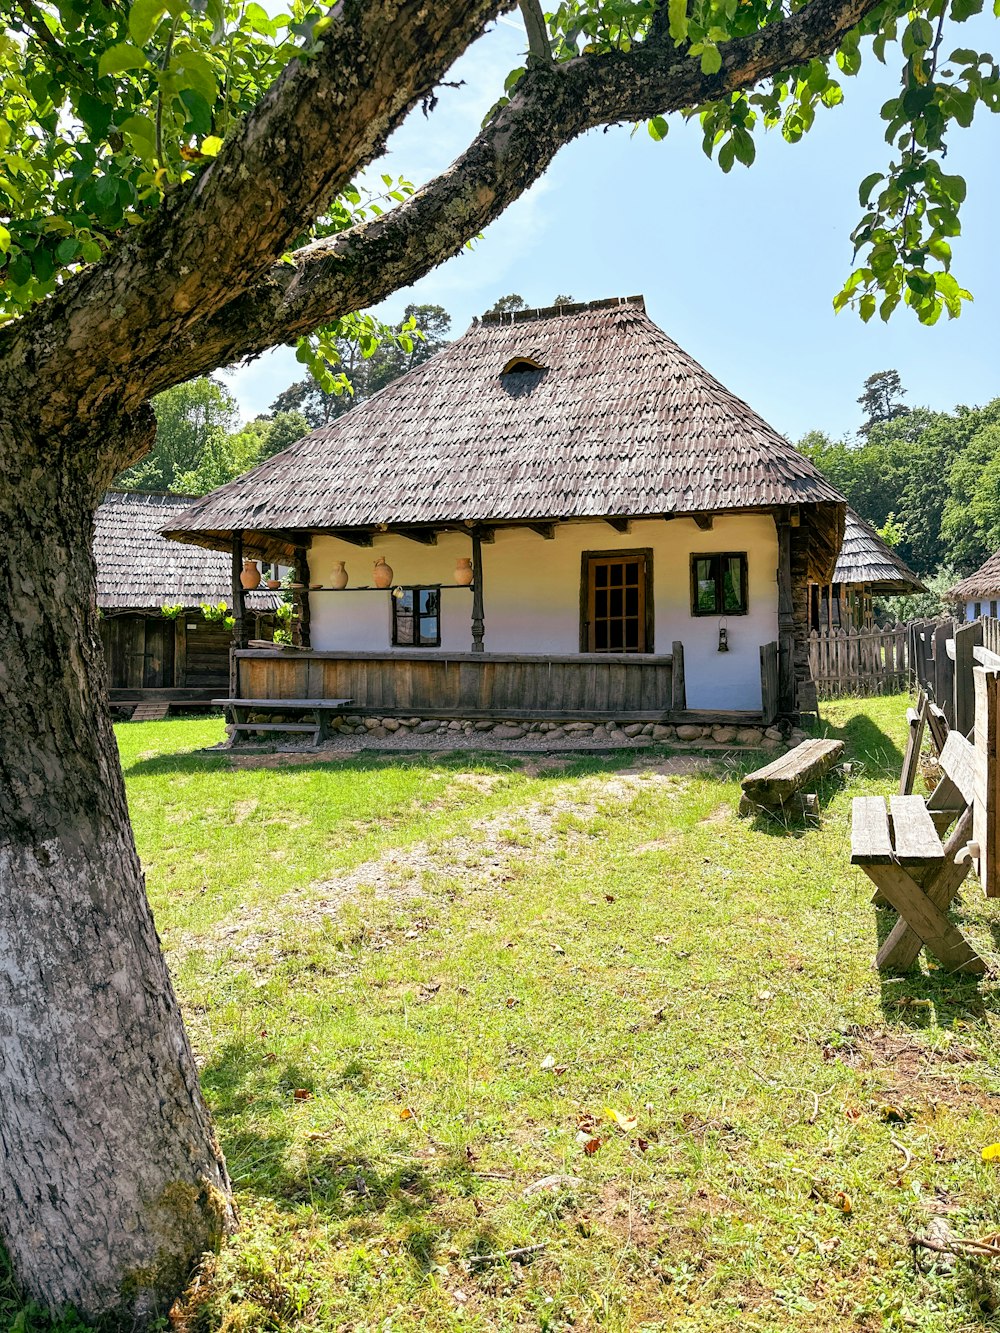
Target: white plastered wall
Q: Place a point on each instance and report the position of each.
(531, 595)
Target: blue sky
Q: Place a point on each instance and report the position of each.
(740, 269)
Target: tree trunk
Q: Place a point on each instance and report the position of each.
(111, 1183)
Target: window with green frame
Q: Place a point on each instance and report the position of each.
(719, 584)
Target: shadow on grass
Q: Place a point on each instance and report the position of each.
(333, 1176)
(917, 999)
(866, 744)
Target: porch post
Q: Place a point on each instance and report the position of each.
(477, 591)
(786, 621)
(239, 629)
(305, 610)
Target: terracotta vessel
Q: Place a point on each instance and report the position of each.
(463, 571)
(250, 578)
(274, 583)
(338, 577)
(382, 577)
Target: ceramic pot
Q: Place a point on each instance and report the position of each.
(382, 577)
(338, 577)
(274, 583)
(250, 578)
(463, 571)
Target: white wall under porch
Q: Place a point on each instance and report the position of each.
(531, 595)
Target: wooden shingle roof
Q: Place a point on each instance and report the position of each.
(984, 583)
(618, 421)
(139, 569)
(865, 558)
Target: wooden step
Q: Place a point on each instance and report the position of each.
(150, 712)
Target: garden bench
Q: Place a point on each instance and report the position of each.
(778, 785)
(238, 715)
(899, 848)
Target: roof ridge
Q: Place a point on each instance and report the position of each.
(554, 311)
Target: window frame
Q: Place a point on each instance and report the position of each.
(417, 615)
(643, 553)
(719, 557)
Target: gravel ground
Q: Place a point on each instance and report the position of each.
(482, 743)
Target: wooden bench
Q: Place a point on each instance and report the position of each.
(899, 848)
(238, 715)
(778, 786)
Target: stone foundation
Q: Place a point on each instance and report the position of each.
(539, 732)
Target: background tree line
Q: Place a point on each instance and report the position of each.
(930, 480)
(201, 444)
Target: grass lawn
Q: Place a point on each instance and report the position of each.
(420, 986)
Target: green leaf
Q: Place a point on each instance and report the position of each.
(866, 187)
(658, 128)
(677, 14)
(143, 18)
(866, 307)
(199, 113)
(711, 59)
(117, 59)
(142, 131)
(67, 250)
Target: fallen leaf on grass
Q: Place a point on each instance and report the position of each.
(549, 1062)
(842, 1201)
(512, 1002)
(407, 1113)
(589, 1142)
(302, 1094)
(896, 1115)
(991, 1153)
(622, 1119)
(852, 1113)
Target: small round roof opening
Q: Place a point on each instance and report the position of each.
(520, 365)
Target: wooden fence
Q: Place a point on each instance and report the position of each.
(944, 654)
(864, 662)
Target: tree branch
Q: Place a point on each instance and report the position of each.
(553, 105)
(538, 34)
(323, 119)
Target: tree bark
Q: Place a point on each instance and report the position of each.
(112, 1183)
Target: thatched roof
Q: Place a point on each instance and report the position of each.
(139, 569)
(983, 584)
(605, 416)
(865, 558)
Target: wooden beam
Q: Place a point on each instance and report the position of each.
(704, 521)
(619, 522)
(239, 631)
(546, 530)
(356, 536)
(678, 689)
(426, 536)
(786, 623)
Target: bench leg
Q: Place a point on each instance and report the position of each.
(922, 922)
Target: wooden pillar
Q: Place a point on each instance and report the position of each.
(477, 592)
(180, 650)
(305, 610)
(786, 621)
(678, 687)
(239, 628)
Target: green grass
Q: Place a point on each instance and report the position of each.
(406, 942)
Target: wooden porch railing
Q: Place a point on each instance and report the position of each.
(591, 685)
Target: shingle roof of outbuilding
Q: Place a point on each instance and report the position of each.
(619, 421)
(138, 569)
(865, 558)
(985, 582)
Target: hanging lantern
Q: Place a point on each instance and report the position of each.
(723, 637)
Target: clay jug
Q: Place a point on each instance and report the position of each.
(250, 578)
(463, 571)
(338, 575)
(382, 578)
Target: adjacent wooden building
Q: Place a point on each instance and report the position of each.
(578, 519)
(151, 655)
(979, 594)
(866, 568)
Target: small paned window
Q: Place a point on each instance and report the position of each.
(993, 610)
(977, 610)
(719, 584)
(416, 618)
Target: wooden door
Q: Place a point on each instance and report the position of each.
(617, 603)
(158, 654)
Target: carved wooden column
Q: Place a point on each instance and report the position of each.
(239, 610)
(477, 591)
(787, 695)
(305, 610)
